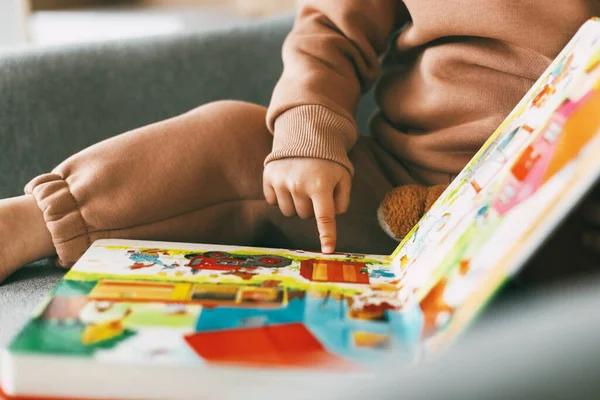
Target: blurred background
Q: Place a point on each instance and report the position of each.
(45, 22)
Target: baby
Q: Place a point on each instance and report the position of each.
(448, 72)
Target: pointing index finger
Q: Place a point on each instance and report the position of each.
(324, 207)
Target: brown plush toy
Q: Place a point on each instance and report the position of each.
(404, 206)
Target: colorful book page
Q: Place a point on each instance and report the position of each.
(523, 182)
(183, 304)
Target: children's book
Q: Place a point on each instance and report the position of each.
(196, 321)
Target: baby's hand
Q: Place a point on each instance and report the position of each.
(309, 187)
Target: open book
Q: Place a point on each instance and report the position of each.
(199, 320)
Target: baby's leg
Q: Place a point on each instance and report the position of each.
(190, 178)
(23, 234)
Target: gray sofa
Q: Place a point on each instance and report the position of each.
(56, 101)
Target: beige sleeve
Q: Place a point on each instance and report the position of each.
(331, 57)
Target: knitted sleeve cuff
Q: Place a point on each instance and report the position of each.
(313, 131)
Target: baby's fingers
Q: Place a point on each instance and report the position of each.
(342, 196)
(304, 207)
(324, 207)
(269, 193)
(285, 201)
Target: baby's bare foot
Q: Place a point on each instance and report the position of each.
(24, 237)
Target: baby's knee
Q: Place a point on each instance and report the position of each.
(230, 122)
(234, 112)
